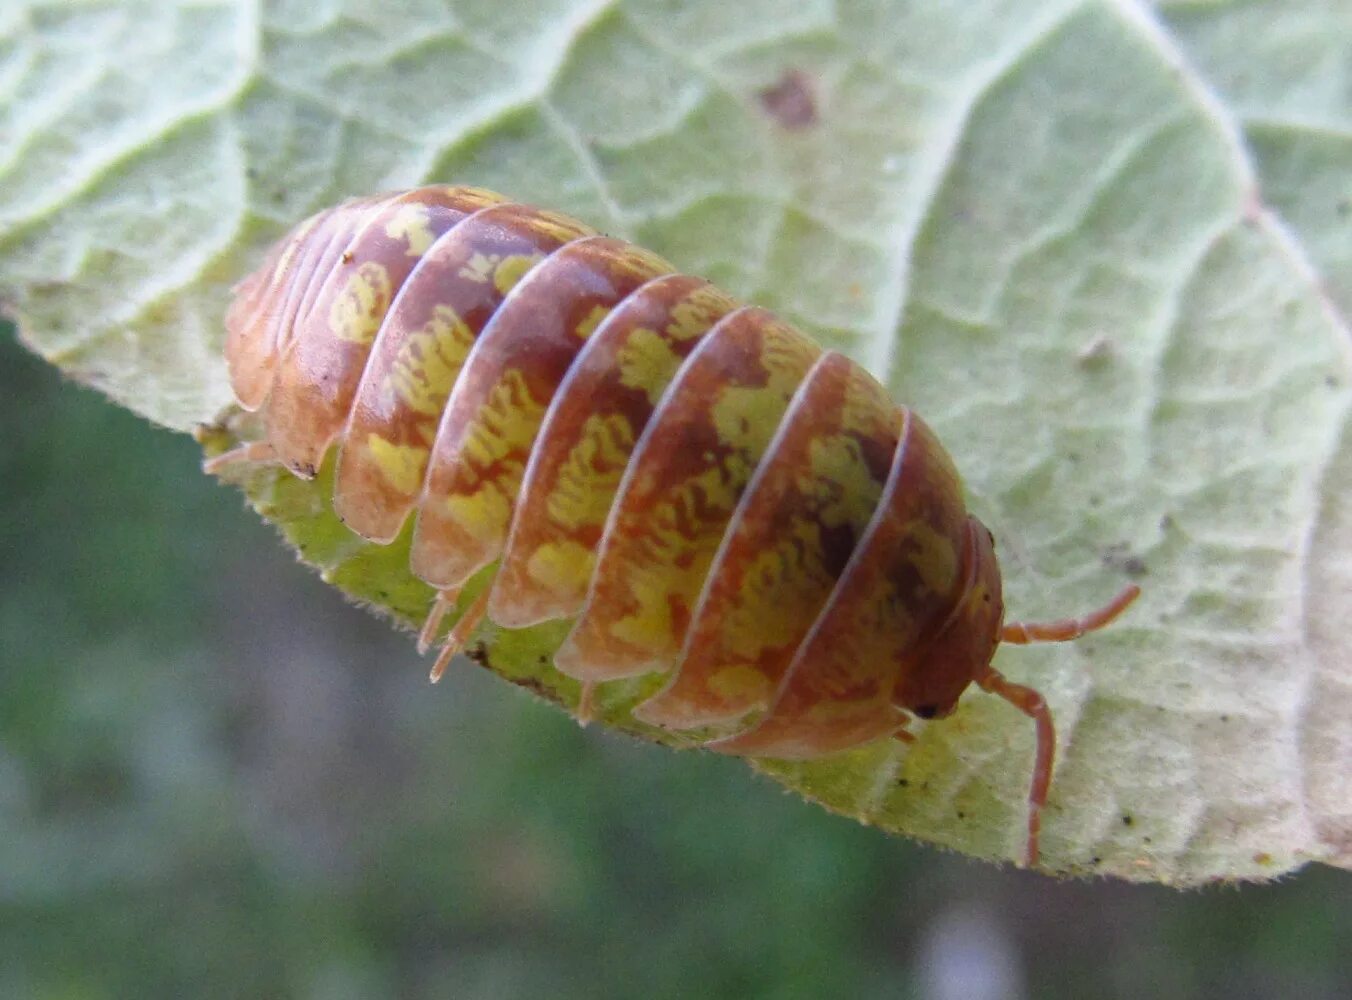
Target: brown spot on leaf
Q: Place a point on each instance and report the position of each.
(791, 102)
(1119, 557)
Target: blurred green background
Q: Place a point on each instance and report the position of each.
(217, 779)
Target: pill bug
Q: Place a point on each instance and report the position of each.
(700, 487)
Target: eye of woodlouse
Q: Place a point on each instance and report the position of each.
(703, 489)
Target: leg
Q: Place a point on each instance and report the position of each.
(445, 600)
(586, 703)
(460, 633)
(1021, 633)
(903, 735)
(254, 451)
(1031, 704)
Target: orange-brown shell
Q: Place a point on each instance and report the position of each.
(703, 489)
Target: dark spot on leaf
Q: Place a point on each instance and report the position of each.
(1127, 820)
(903, 783)
(790, 102)
(1119, 558)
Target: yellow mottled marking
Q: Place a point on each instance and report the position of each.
(505, 424)
(786, 355)
(401, 465)
(512, 268)
(696, 312)
(651, 627)
(412, 225)
(484, 514)
(430, 360)
(638, 263)
(740, 684)
(480, 267)
(932, 556)
(482, 196)
(360, 307)
(559, 226)
(674, 563)
(838, 477)
(718, 488)
(647, 363)
(746, 417)
(590, 476)
(781, 590)
(867, 411)
(562, 567)
(591, 321)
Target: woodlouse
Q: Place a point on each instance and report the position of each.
(704, 489)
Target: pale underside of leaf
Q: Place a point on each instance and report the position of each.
(1106, 255)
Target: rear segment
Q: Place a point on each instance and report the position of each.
(301, 328)
(259, 311)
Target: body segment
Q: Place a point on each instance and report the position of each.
(587, 441)
(683, 484)
(455, 289)
(813, 496)
(494, 412)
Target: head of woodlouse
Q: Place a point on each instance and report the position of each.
(963, 649)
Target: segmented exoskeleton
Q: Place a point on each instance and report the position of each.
(702, 488)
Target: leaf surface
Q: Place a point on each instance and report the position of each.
(1104, 249)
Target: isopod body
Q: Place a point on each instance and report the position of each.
(702, 489)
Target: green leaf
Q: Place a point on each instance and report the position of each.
(1106, 255)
